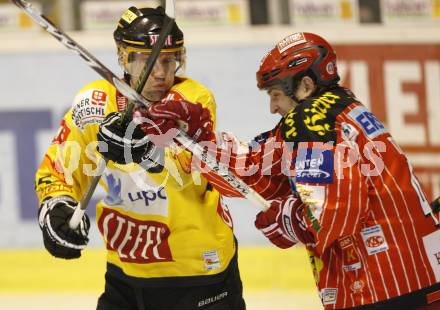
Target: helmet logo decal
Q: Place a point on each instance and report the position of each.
(330, 68)
(291, 40)
(154, 37)
(129, 16)
(297, 62)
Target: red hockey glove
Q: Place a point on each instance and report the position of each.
(190, 117)
(283, 222)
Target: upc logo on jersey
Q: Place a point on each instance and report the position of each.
(135, 193)
(314, 165)
(371, 126)
(148, 196)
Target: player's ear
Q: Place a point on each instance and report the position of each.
(309, 85)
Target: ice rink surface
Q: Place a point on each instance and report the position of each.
(31, 279)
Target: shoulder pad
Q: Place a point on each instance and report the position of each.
(193, 91)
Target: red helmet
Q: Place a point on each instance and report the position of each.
(298, 54)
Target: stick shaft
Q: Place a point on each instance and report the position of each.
(132, 95)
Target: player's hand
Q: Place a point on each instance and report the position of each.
(125, 141)
(189, 117)
(59, 239)
(282, 223)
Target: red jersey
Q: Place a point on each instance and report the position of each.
(374, 233)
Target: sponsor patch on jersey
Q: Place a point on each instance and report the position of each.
(351, 260)
(313, 197)
(329, 295)
(374, 239)
(135, 241)
(314, 165)
(212, 260)
(62, 134)
(432, 248)
(357, 286)
(89, 108)
(121, 101)
(135, 192)
(349, 132)
(99, 98)
(291, 40)
(369, 123)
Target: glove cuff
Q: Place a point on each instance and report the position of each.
(286, 220)
(48, 204)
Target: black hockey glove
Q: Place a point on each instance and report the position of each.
(59, 239)
(125, 141)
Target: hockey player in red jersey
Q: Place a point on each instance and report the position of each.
(371, 235)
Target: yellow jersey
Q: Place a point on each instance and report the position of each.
(159, 225)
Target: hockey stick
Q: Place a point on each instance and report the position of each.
(197, 150)
(107, 74)
(143, 77)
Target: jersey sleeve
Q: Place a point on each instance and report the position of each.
(71, 159)
(258, 164)
(255, 163)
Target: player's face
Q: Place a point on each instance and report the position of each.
(279, 102)
(161, 78)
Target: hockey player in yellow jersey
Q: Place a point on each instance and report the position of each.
(168, 235)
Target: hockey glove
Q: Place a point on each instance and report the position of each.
(125, 141)
(59, 239)
(283, 222)
(189, 117)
